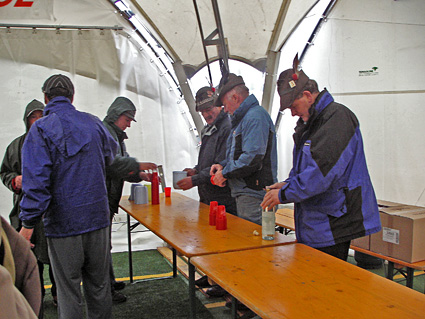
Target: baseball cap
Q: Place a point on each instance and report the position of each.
(58, 81)
(226, 84)
(290, 84)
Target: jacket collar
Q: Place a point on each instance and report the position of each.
(245, 106)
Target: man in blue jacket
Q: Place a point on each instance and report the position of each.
(329, 183)
(63, 167)
(251, 156)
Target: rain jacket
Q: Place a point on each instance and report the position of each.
(251, 156)
(63, 164)
(329, 182)
(10, 168)
(213, 150)
(124, 167)
(11, 165)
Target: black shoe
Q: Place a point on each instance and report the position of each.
(216, 291)
(118, 297)
(202, 282)
(119, 285)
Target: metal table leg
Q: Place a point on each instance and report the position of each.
(130, 257)
(192, 290)
(174, 263)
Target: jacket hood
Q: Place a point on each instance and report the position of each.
(32, 106)
(118, 107)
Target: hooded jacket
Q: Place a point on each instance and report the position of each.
(251, 156)
(63, 164)
(11, 165)
(329, 183)
(213, 150)
(10, 168)
(124, 167)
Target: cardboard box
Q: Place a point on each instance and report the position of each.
(402, 235)
(362, 242)
(386, 204)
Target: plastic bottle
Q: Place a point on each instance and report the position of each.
(268, 224)
(155, 188)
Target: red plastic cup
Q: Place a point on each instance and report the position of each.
(212, 180)
(221, 219)
(213, 212)
(167, 191)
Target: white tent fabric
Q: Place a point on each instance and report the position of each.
(249, 26)
(105, 63)
(389, 101)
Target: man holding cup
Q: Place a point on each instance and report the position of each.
(213, 150)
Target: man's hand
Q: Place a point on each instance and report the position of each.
(218, 179)
(145, 176)
(185, 183)
(144, 166)
(18, 182)
(271, 199)
(27, 234)
(190, 171)
(215, 168)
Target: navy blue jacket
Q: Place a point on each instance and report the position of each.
(63, 168)
(329, 182)
(213, 150)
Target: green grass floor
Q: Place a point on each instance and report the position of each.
(168, 298)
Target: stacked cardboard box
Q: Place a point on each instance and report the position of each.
(364, 242)
(403, 233)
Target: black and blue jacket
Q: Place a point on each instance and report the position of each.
(329, 183)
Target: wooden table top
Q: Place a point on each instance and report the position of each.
(297, 281)
(184, 224)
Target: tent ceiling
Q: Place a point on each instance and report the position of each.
(251, 28)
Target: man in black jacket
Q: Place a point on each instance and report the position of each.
(213, 150)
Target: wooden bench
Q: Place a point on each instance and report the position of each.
(285, 220)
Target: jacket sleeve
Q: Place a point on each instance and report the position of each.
(36, 172)
(251, 145)
(126, 168)
(324, 163)
(7, 173)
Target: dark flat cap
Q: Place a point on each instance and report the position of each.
(205, 98)
(58, 81)
(226, 84)
(290, 84)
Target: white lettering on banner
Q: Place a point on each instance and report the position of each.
(18, 3)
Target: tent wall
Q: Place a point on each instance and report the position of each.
(102, 65)
(389, 101)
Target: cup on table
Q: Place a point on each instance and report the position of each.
(133, 187)
(141, 194)
(177, 176)
(167, 191)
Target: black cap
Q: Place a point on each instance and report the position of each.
(58, 81)
(290, 84)
(205, 98)
(226, 84)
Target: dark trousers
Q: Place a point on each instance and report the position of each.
(339, 250)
